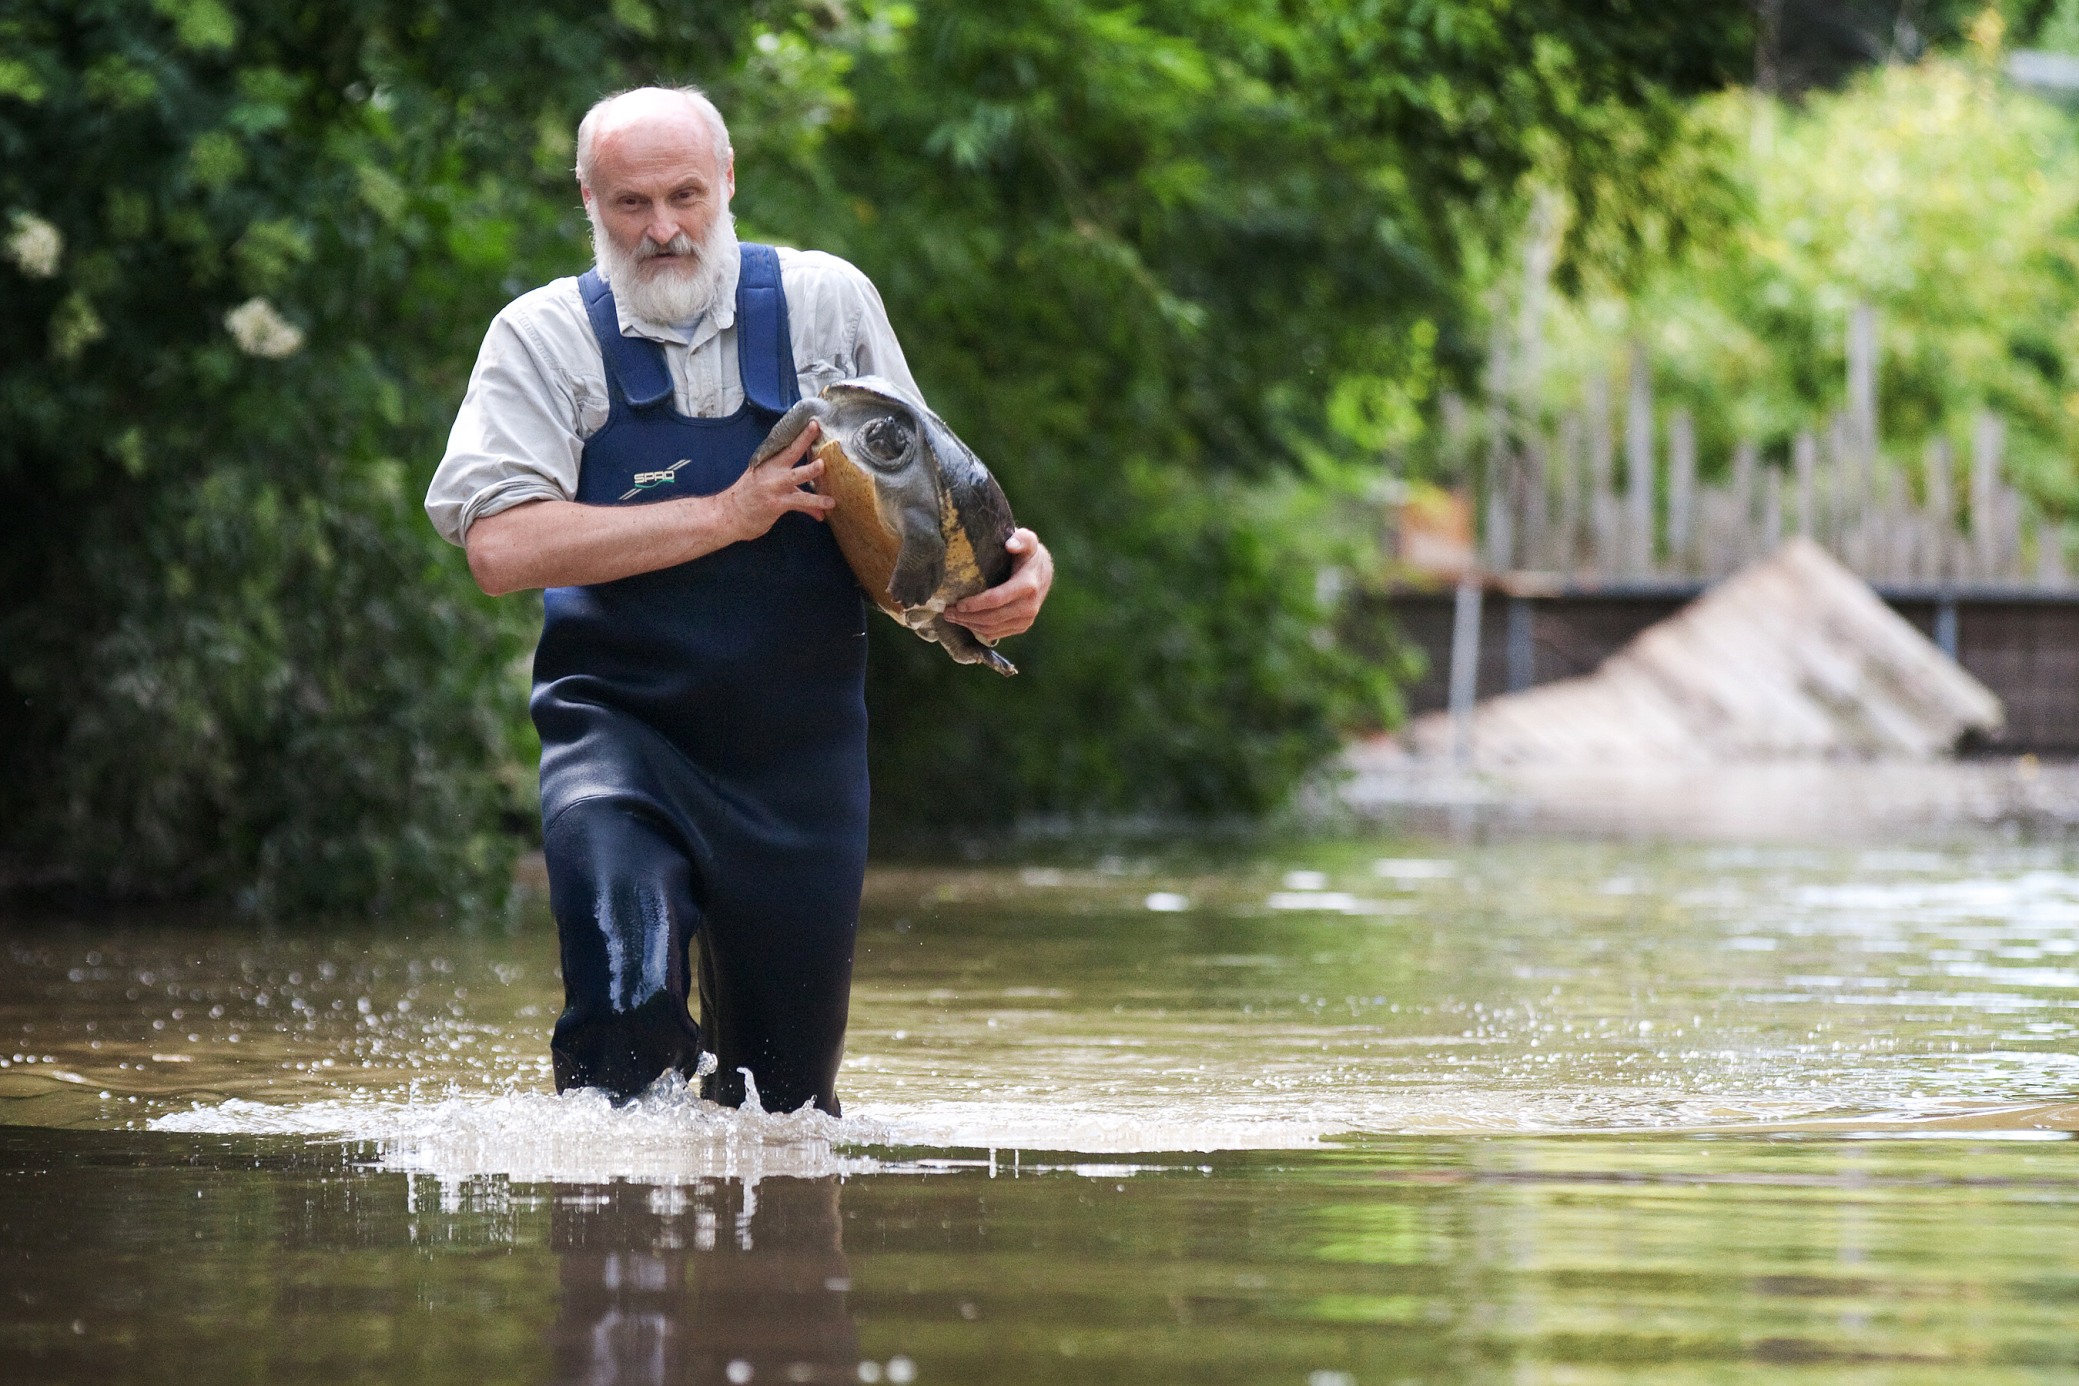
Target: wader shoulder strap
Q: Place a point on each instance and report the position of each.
(634, 366)
(764, 343)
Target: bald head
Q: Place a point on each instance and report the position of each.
(649, 124)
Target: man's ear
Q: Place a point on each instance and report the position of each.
(729, 174)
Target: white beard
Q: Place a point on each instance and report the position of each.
(669, 293)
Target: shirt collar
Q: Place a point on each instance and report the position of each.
(721, 314)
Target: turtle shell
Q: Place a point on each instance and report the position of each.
(921, 521)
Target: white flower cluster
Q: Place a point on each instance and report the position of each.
(35, 246)
(260, 330)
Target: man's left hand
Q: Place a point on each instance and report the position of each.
(1010, 607)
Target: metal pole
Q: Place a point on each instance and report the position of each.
(1465, 667)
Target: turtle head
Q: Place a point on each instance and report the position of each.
(886, 429)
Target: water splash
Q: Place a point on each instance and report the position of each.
(667, 1135)
(671, 1136)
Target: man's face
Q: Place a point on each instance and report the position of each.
(657, 189)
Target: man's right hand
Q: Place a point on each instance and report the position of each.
(559, 543)
(775, 486)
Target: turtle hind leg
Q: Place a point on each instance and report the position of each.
(966, 647)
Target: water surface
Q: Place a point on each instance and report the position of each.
(1357, 1111)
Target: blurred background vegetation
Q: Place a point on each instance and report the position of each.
(1189, 274)
(1939, 191)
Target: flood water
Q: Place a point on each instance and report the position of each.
(1354, 1112)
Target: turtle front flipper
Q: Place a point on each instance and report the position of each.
(789, 428)
(921, 565)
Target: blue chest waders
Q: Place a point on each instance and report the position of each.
(703, 755)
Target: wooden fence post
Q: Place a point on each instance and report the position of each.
(1862, 382)
(1681, 492)
(1804, 456)
(2050, 554)
(1988, 440)
(2009, 512)
(1533, 539)
(1638, 466)
(1603, 519)
(1567, 530)
(1851, 494)
(1498, 540)
(1746, 459)
(1940, 465)
(1895, 540)
(1771, 509)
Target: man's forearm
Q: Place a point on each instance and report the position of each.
(557, 543)
(553, 543)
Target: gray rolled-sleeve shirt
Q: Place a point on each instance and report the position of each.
(539, 388)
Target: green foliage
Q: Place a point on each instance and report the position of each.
(1155, 265)
(237, 662)
(1177, 271)
(1932, 191)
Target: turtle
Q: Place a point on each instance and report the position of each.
(919, 519)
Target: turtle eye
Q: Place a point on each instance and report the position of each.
(886, 442)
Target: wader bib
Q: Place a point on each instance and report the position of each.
(703, 754)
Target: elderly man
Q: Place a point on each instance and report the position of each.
(699, 683)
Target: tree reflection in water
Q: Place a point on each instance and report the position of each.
(716, 1282)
